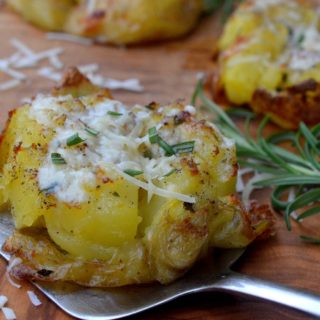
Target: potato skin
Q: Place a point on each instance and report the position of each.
(118, 22)
(118, 237)
(255, 67)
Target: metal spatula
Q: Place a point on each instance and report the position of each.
(213, 274)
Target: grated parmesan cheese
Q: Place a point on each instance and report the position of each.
(13, 262)
(21, 47)
(89, 68)
(25, 57)
(34, 299)
(50, 74)
(10, 84)
(31, 61)
(3, 301)
(250, 187)
(8, 313)
(304, 60)
(115, 148)
(60, 36)
(56, 62)
(129, 84)
(91, 6)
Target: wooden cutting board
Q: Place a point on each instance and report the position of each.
(168, 72)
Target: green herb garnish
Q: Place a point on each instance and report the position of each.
(115, 114)
(49, 190)
(170, 172)
(184, 147)
(297, 170)
(166, 147)
(155, 138)
(56, 158)
(74, 140)
(153, 135)
(91, 131)
(132, 172)
(226, 6)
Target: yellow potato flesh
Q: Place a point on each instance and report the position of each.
(121, 21)
(49, 14)
(253, 44)
(108, 219)
(22, 150)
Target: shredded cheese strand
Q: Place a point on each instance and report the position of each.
(156, 190)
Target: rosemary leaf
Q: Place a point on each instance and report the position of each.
(308, 213)
(297, 169)
(310, 239)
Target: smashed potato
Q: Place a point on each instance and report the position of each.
(269, 55)
(105, 195)
(118, 22)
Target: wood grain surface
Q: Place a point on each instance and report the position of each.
(168, 72)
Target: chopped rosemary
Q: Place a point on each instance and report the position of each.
(295, 172)
(153, 135)
(91, 131)
(166, 147)
(169, 150)
(170, 172)
(74, 140)
(49, 190)
(115, 114)
(132, 172)
(184, 147)
(155, 138)
(56, 158)
(226, 6)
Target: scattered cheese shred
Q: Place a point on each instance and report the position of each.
(155, 190)
(25, 57)
(240, 183)
(129, 84)
(13, 73)
(8, 313)
(250, 187)
(34, 299)
(91, 6)
(32, 60)
(3, 301)
(60, 36)
(89, 68)
(10, 84)
(56, 62)
(14, 262)
(50, 74)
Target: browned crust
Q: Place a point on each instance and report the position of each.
(300, 102)
(287, 108)
(255, 215)
(77, 84)
(258, 213)
(2, 134)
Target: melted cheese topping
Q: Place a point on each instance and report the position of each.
(115, 149)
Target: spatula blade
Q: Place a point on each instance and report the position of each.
(106, 304)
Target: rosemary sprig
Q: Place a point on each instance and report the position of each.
(226, 6)
(297, 170)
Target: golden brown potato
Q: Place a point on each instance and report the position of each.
(119, 22)
(267, 50)
(107, 195)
